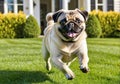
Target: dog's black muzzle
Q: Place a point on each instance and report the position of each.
(70, 30)
(73, 27)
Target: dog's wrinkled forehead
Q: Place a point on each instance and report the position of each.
(70, 15)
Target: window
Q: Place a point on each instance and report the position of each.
(20, 5)
(92, 4)
(110, 5)
(100, 1)
(10, 5)
(97, 5)
(15, 5)
(1, 6)
(100, 8)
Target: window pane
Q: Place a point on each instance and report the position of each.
(92, 7)
(20, 8)
(1, 6)
(110, 5)
(92, 1)
(92, 4)
(100, 1)
(100, 8)
(10, 1)
(10, 8)
(20, 1)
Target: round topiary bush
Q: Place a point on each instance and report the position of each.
(31, 29)
(93, 28)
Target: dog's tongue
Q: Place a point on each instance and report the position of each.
(70, 34)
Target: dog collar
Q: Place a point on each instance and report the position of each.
(68, 41)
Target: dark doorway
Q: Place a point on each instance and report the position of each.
(43, 12)
(73, 4)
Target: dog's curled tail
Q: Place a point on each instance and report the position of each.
(49, 18)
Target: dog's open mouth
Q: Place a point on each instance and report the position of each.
(71, 34)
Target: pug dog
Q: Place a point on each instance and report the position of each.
(65, 40)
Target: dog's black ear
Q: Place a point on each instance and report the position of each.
(83, 13)
(56, 15)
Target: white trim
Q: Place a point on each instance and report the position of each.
(96, 6)
(104, 5)
(117, 5)
(100, 4)
(53, 5)
(65, 4)
(79, 4)
(37, 8)
(15, 6)
(5, 7)
(31, 7)
(87, 5)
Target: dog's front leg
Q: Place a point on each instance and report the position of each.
(83, 57)
(63, 67)
(84, 62)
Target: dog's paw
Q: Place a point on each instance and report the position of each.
(48, 67)
(84, 69)
(69, 77)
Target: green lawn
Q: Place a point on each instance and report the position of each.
(21, 62)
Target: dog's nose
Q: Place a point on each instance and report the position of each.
(71, 26)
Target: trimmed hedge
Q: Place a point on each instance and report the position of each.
(110, 23)
(17, 26)
(31, 29)
(11, 25)
(93, 27)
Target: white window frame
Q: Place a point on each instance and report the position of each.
(18, 4)
(103, 4)
(15, 4)
(98, 4)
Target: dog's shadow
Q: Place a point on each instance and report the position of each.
(23, 77)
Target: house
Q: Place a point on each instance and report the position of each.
(39, 8)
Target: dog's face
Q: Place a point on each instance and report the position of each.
(70, 23)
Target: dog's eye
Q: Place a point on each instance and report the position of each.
(78, 20)
(63, 21)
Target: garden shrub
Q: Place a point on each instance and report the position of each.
(31, 28)
(110, 23)
(93, 28)
(11, 25)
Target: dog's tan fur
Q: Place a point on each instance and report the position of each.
(62, 53)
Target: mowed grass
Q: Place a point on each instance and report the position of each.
(21, 62)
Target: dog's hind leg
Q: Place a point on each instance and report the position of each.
(63, 67)
(46, 57)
